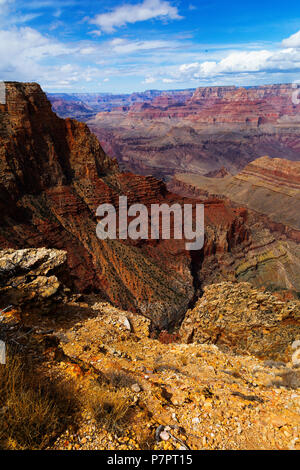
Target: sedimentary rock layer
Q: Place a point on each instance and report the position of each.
(217, 126)
(268, 186)
(53, 176)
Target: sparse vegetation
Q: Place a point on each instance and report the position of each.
(109, 407)
(32, 412)
(119, 379)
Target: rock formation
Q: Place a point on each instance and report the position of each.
(83, 106)
(268, 186)
(217, 126)
(245, 320)
(29, 279)
(53, 176)
(124, 386)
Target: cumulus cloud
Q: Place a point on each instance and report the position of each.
(22, 51)
(27, 43)
(149, 80)
(129, 13)
(27, 55)
(240, 62)
(292, 41)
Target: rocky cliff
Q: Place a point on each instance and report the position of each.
(268, 186)
(83, 106)
(53, 176)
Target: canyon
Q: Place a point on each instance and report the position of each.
(269, 189)
(151, 347)
(269, 186)
(83, 106)
(216, 127)
(54, 175)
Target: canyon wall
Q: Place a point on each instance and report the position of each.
(53, 176)
(269, 189)
(217, 127)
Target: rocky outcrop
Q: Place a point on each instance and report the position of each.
(245, 320)
(253, 106)
(159, 396)
(269, 189)
(32, 279)
(277, 174)
(221, 173)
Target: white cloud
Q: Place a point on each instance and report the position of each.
(27, 55)
(149, 80)
(240, 62)
(22, 52)
(123, 46)
(27, 43)
(130, 13)
(292, 41)
(95, 32)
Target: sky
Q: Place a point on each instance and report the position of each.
(122, 46)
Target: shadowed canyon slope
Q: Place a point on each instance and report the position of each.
(216, 127)
(53, 176)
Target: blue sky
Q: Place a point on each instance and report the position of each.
(132, 45)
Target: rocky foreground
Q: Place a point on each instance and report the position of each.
(228, 379)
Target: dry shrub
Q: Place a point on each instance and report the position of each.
(31, 413)
(110, 408)
(119, 379)
(146, 440)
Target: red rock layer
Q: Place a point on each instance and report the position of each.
(231, 105)
(53, 176)
(274, 171)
